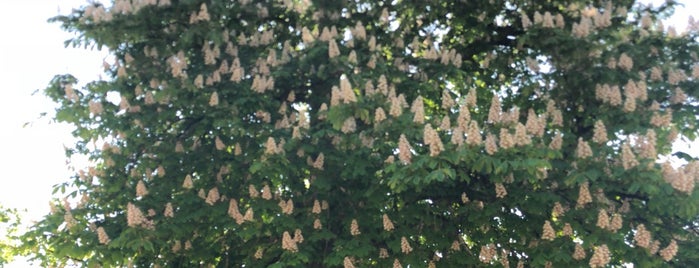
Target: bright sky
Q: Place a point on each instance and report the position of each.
(31, 53)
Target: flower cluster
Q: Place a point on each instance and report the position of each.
(405, 245)
(584, 196)
(387, 223)
(579, 252)
(288, 243)
(601, 257)
(354, 228)
(487, 253)
(548, 233)
(670, 251)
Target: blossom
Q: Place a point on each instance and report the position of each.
(582, 29)
(548, 233)
(203, 14)
(670, 251)
(252, 191)
(169, 211)
(506, 139)
(558, 210)
(333, 49)
(354, 228)
(625, 62)
(642, 236)
(678, 96)
(134, 216)
(487, 253)
(464, 198)
(445, 123)
(219, 144)
(579, 252)
(491, 146)
(560, 21)
(654, 247)
(347, 263)
(599, 132)
(288, 243)
(259, 253)
(464, 118)
(352, 58)
(583, 150)
(270, 146)
(526, 22)
(521, 138)
(213, 196)
(298, 237)
(628, 159)
(456, 245)
(404, 153)
(615, 223)
(287, 206)
(495, 111)
(177, 246)
(500, 191)
(567, 229)
(447, 100)
(379, 115)
(102, 236)
(584, 196)
(418, 110)
(95, 107)
(602, 219)
(234, 211)
(535, 124)
(160, 171)
(547, 20)
(471, 98)
(213, 100)
(316, 207)
(266, 192)
(349, 125)
(188, 184)
(473, 136)
(387, 223)
(396, 107)
(141, 189)
(601, 257)
(432, 139)
(405, 245)
(359, 32)
(347, 95)
(318, 163)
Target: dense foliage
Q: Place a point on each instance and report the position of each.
(299, 133)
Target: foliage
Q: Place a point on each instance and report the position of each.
(9, 223)
(366, 133)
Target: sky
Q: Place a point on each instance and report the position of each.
(32, 155)
(31, 53)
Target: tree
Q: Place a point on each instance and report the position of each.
(9, 223)
(367, 133)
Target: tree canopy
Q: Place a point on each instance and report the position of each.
(301, 133)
